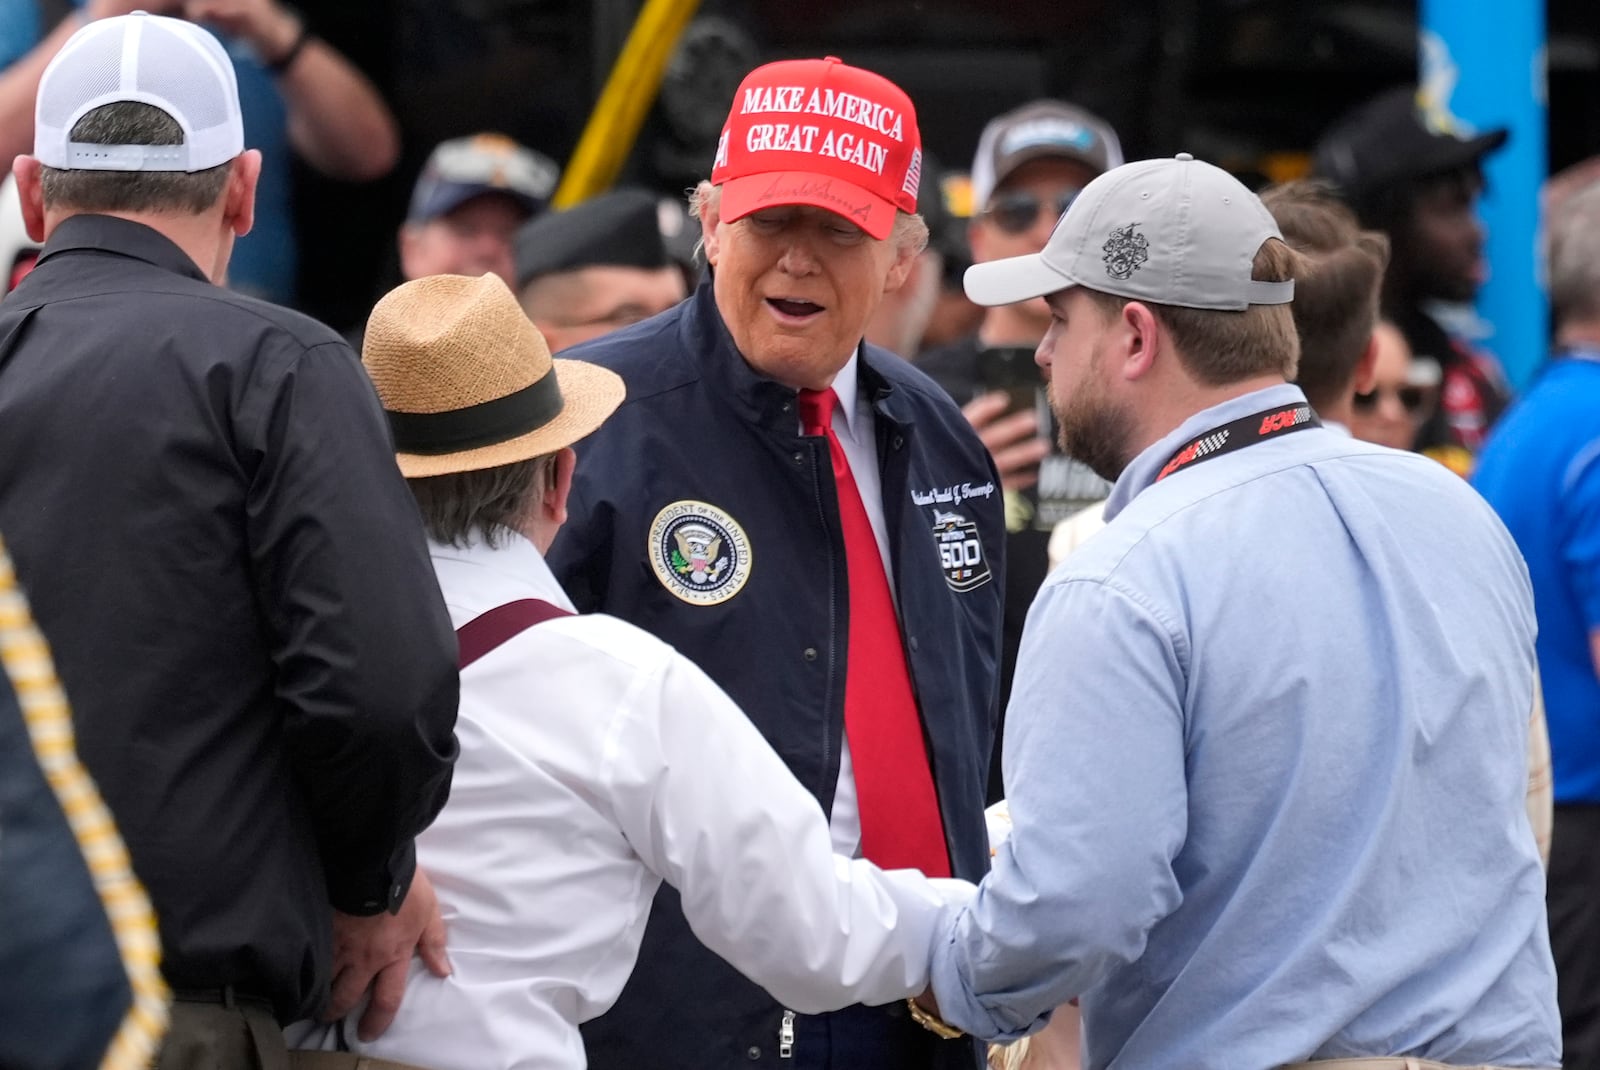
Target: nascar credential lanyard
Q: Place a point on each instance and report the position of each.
(1245, 431)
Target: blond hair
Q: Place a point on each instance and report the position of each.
(910, 233)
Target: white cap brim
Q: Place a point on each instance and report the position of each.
(1017, 278)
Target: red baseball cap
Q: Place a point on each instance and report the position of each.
(820, 133)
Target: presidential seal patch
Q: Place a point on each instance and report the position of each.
(699, 553)
(960, 551)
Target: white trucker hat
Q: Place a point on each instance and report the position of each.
(168, 63)
(1172, 232)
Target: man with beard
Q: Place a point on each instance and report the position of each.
(1029, 165)
(1266, 750)
(1418, 183)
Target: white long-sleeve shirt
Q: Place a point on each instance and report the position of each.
(595, 763)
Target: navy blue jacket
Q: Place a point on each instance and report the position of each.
(63, 987)
(701, 514)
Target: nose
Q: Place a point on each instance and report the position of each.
(797, 260)
(1041, 354)
(491, 245)
(1389, 406)
(489, 252)
(1044, 221)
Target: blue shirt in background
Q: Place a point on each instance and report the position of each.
(264, 261)
(1541, 472)
(1266, 758)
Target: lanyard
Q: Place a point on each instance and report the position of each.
(1245, 431)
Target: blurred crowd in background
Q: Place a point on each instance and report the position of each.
(430, 137)
(439, 137)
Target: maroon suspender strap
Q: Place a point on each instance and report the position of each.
(488, 630)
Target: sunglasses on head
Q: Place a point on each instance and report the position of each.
(1017, 211)
(1411, 398)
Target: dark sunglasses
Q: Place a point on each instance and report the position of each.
(1016, 212)
(1411, 398)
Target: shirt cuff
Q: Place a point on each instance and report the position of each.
(363, 895)
(960, 1006)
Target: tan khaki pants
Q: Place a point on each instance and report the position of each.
(214, 1035)
(1383, 1062)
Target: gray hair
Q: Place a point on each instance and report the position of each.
(130, 122)
(910, 232)
(1574, 250)
(488, 503)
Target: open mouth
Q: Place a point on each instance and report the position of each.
(793, 310)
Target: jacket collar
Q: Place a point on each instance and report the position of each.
(123, 237)
(759, 399)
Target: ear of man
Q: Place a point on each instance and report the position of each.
(558, 486)
(900, 270)
(1366, 376)
(30, 191)
(710, 218)
(239, 195)
(1140, 340)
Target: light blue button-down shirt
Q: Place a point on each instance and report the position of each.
(1267, 753)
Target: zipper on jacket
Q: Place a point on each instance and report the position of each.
(786, 1036)
(819, 496)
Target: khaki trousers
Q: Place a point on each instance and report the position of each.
(224, 1032)
(1383, 1062)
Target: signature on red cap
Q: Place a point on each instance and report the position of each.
(785, 190)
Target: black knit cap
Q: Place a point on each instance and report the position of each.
(619, 229)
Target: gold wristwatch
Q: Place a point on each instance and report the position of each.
(936, 1026)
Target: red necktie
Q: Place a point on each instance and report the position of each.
(900, 823)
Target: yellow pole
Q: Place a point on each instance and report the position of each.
(630, 89)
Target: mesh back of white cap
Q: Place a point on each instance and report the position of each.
(168, 63)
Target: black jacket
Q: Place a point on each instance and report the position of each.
(702, 437)
(1065, 487)
(199, 494)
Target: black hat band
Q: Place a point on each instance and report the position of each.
(484, 424)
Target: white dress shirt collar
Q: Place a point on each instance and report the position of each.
(482, 577)
(846, 387)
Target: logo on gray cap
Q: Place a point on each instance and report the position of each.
(1193, 243)
(1125, 252)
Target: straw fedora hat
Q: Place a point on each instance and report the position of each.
(468, 383)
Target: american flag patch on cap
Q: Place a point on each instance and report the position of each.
(913, 174)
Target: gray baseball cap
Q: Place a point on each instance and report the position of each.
(1043, 129)
(1170, 231)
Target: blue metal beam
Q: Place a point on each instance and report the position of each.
(1482, 65)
